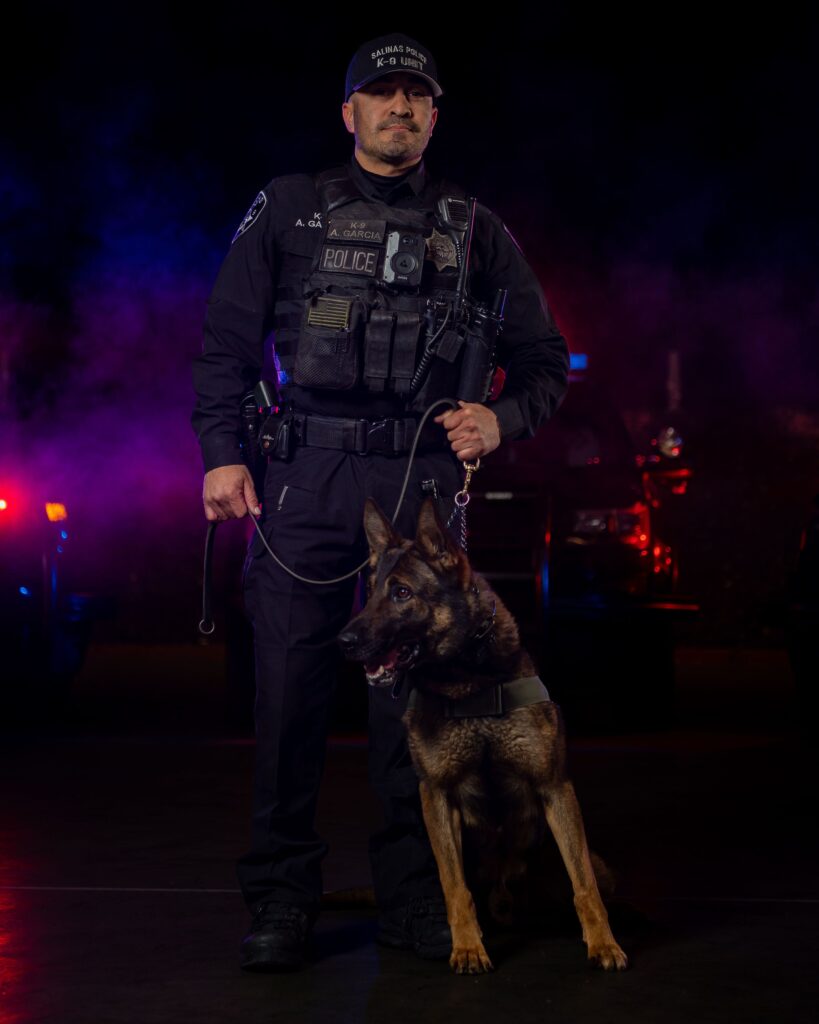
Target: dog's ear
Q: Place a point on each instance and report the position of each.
(380, 531)
(433, 538)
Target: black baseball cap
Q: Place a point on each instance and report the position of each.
(393, 52)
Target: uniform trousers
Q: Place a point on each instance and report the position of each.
(313, 519)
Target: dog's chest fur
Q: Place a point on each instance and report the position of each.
(488, 763)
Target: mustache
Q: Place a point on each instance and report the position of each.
(400, 124)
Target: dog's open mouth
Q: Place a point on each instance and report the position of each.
(384, 670)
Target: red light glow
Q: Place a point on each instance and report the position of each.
(637, 535)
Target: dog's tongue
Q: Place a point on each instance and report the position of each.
(386, 662)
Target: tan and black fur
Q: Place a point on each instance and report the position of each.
(429, 620)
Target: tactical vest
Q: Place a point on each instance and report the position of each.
(360, 318)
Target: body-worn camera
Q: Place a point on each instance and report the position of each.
(404, 259)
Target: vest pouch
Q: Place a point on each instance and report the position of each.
(390, 349)
(328, 352)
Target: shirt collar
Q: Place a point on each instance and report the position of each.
(415, 180)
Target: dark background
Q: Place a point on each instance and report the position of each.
(658, 168)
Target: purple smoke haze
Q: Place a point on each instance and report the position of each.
(664, 196)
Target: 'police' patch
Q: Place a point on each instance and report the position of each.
(349, 259)
(251, 216)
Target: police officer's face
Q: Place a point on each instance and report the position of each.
(392, 119)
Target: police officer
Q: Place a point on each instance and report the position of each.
(353, 271)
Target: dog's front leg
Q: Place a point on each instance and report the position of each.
(443, 821)
(566, 822)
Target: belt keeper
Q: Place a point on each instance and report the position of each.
(361, 437)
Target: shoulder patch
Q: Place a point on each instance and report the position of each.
(252, 215)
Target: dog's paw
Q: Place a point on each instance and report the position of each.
(607, 955)
(470, 959)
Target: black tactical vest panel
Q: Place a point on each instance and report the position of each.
(356, 310)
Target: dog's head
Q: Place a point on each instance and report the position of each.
(422, 602)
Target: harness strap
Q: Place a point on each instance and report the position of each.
(495, 700)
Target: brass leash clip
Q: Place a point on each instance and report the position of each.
(462, 497)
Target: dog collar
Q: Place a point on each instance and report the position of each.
(495, 700)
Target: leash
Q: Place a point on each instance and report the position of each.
(461, 501)
(207, 582)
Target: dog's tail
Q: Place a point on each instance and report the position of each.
(356, 897)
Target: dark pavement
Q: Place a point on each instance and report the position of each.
(121, 822)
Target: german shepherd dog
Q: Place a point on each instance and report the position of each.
(434, 624)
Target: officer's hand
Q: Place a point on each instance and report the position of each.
(473, 430)
(229, 494)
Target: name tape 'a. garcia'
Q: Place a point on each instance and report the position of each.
(372, 231)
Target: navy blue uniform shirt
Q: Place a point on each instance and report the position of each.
(282, 229)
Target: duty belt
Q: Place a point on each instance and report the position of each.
(390, 436)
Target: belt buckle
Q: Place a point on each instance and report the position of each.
(381, 436)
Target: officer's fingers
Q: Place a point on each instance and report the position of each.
(227, 502)
(468, 423)
(222, 506)
(452, 419)
(235, 505)
(213, 513)
(461, 443)
(217, 499)
(251, 500)
(468, 453)
(464, 431)
(470, 408)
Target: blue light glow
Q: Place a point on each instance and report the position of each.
(578, 361)
(544, 581)
(25, 591)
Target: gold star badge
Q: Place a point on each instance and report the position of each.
(441, 250)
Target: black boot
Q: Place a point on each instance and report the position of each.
(277, 940)
(420, 925)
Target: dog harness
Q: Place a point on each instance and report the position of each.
(494, 701)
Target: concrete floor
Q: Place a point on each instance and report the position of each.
(122, 818)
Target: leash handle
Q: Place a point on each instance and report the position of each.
(206, 623)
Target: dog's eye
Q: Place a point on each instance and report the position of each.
(401, 593)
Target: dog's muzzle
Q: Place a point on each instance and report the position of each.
(385, 670)
(382, 668)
